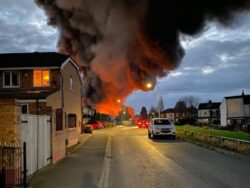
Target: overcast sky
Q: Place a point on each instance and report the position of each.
(216, 64)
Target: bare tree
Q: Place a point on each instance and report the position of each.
(181, 108)
(144, 113)
(191, 101)
(152, 111)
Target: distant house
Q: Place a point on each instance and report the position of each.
(169, 113)
(44, 84)
(235, 110)
(209, 113)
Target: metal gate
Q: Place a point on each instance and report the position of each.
(36, 132)
(10, 165)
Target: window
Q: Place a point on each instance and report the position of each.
(11, 79)
(59, 119)
(41, 78)
(162, 122)
(24, 108)
(71, 83)
(71, 121)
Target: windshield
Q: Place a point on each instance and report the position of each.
(162, 122)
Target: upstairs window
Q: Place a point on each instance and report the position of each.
(41, 78)
(11, 79)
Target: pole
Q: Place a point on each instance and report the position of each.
(37, 133)
(24, 166)
(114, 114)
(159, 107)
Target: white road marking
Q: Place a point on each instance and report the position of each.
(104, 178)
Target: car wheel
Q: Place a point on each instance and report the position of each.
(173, 137)
(149, 135)
(153, 136)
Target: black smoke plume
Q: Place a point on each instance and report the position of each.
(124, 44)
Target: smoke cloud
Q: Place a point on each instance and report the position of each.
(122, 45)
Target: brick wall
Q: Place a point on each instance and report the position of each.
(43, 108)
(26, 80)
(10, 129)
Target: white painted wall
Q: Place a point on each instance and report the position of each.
(247, 110)
(223, 113)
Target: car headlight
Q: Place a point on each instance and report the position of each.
(157, 128)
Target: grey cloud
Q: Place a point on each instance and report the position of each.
(23, 28)
(230, 75)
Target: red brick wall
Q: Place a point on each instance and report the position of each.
(26, 79)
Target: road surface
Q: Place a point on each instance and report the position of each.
(124, 157)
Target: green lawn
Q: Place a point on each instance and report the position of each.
(230, 134)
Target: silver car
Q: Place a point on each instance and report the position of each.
(161, 126)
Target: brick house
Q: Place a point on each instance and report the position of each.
(209, 113)
(169, 113)
(46, 83)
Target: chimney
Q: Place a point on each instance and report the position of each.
(243, 94)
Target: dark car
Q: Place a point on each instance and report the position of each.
(142, 123)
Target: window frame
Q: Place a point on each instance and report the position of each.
(11, 79)
(42, 85)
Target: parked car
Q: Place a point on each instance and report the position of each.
(161, 127)
(94, 124)
(143, 123)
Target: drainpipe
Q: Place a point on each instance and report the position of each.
(62, 88)
(37, 132)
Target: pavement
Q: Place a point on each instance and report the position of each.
(80, 168)
(125, 157)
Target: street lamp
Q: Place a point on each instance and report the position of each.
(123, 113)
(149, 85)
(117, 101)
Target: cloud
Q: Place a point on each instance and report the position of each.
(216, 64)
(23, 28)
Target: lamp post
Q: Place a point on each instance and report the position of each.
(149, 85)
(159, 101)
(117, 101)
(123, 113)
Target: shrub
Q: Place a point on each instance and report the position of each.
(88, 129)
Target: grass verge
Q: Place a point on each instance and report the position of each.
(206, 138)
(210, 131)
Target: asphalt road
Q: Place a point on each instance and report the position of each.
(124, 157)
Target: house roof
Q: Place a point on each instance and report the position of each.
(27, 94)
(209, 105)
(36, 59)
(169, 110)
(246, 98)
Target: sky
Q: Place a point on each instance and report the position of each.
(216, 64)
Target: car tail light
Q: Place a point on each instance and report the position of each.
(139, 123)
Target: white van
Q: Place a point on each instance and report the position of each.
(161, 127)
